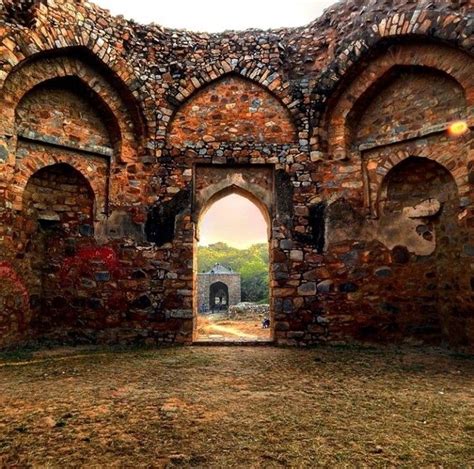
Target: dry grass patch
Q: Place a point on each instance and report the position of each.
(237, 407)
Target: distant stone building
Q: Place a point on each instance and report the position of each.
(218, 289)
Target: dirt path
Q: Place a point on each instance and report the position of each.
(218, 328)
(229, 330)
(245, 407)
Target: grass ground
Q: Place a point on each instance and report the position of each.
(219, 327)
(219, 407)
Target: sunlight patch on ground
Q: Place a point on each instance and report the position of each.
(221, 328)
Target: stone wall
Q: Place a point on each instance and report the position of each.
(60, 110)
(116, 137)
(204, 285)
(58, 195)
(232, 110)
(243, 311)
(408, 100)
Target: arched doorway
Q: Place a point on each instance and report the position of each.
(219, 296)
(232, 265)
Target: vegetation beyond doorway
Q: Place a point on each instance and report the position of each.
(233, 299)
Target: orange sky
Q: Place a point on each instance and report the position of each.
(233, 220)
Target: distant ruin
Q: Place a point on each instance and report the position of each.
(218, 289)
(353, 135)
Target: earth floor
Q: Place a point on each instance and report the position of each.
(219, 407)
(219, 327)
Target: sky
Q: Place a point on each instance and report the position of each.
(233, 220)
(219, 15)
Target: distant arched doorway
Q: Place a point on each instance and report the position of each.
(219, 296)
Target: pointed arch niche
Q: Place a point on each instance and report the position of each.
(232, 109)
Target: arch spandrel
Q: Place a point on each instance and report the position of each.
(232, 109)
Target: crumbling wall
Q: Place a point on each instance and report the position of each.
(396, 249)
(58, 204)
(245, 310)
(21, 12)
(338, 131)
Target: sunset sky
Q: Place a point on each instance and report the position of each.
(235, 221)
(219, 15)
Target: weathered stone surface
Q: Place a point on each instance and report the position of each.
(383, 272)
(307, 289)
(427, 208)
(232, 109)
(326, 286)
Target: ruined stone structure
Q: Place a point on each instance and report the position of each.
(116, 137)
(218, 289)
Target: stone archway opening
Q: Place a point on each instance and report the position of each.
(219, 297)
(232, 265)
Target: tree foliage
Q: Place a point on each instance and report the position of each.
(251, 263)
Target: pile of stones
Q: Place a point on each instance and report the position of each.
(246, 310)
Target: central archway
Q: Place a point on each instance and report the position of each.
(219, 296)
(232, 258)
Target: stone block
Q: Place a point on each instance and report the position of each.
(383, 272)
(326, 286)
(296, 255)
(307, 289)
(103, 276)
